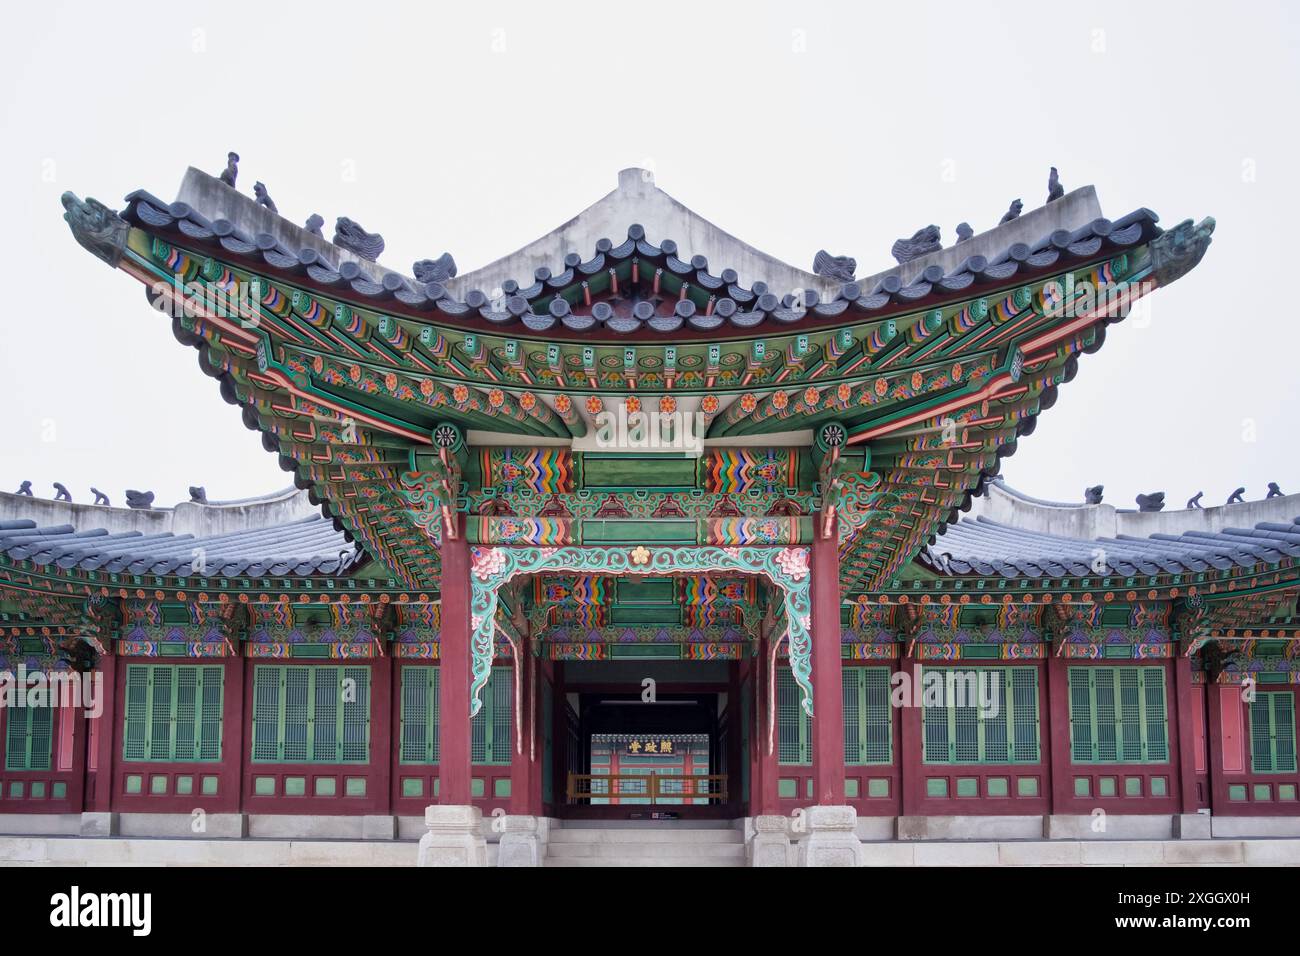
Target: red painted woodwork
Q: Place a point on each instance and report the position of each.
(1066, 773)
(1236, 789)
(455, 749)
(226, 771)
(67, 759)
(828, 698)
(374, 773)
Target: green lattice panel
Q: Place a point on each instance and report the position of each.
(173, 713)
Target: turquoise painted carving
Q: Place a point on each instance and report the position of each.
(786, 568)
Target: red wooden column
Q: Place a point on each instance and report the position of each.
(1186, 729)
(1057, 733)
(382, 673)
(455, 769)
(521, 764)
(99, 749)
(1218, 788)
(828, 688)
(909, 737)
(764, 783)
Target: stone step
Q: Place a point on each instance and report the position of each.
(716, 851)
(692, 861)
(678, 837)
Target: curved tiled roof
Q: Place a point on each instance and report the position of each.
(983, 546)
(296, 548)
(538, 302)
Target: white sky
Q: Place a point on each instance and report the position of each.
(793, 126)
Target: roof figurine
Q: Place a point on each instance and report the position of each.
(315, 222)
(842, 268)
(198, 494)
(140, 500)
(1194, 502)
(231, 172)
(435, 270)
(1237, 497)
(25, 489)
(1054, 188)
(349, 235)
(61, 492)
(1274, 491)
(923, 242)
(1013, 212)
(1152, 502)
(263, 197)
(1092, 496)
(964, 231)
(100, 497)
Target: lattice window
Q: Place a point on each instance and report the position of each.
(976, 715)
(868, 737)
(419, 740)
(1118, 715)
(1272, 732)
(28, 737)
(311, 713)
(491, 729)
(868, 726)
(173, 713)
(794, 726)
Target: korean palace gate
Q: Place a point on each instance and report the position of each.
(612, 491)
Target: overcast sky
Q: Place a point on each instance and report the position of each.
(793, 126)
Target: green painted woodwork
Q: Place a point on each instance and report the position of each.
(134, 783)
(793, 725)
(491, 737)
(645, 652)
(602, 472)
(1118, 715)
(957, 730)
(173, 713)
(936, 786)
(305, 713)
(1106, 787)
(878, 787)
(491, 729)
(1159, 786)
(28, 737)
(1026, 786)
(997, 787)
(419, 715)
(1237, 791)
(868, 720)
(1272, 732)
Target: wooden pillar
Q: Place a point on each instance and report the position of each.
(828, 688)
(1056, 735)
(521, 765)
(382, 673)
(909, 743)
(763, 785)
(1218, 789)
(99, 749)
(455, 769)
(1186, 730)
(735, 735)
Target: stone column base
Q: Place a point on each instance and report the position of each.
(99, 824)
(520, 845)
(770, 845)
(455, 837)
(377, 827)
(1192, 826)
(832, 839)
